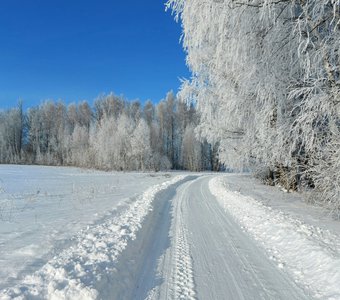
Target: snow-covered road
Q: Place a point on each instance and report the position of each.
(194, 237)
(210, 257)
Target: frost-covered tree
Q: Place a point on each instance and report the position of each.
(191, 151)
(103, 143)
(115, 134)
(79, 146)
(265, 77)
(108, 106)
(141, 152)
(149, 112)
(11, 135)
(84, 115)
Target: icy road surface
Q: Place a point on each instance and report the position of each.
(194, 236)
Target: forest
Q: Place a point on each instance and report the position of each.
(265, 77)
(264, 96)
(113, 135)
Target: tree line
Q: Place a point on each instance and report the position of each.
(266, 80)
(114, 134)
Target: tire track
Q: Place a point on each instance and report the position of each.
(175, 268)
(184, 280)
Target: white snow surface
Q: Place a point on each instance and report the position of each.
(210, 257)
(68, 233)
(89, 214)
(308, 252)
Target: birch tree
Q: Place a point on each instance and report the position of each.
(265, 77)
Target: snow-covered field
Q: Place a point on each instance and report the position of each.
(45, 210)
(67, 233)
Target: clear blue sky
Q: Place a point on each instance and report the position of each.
(77, 49)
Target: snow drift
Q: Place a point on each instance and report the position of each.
(311, 254)
(81, 270)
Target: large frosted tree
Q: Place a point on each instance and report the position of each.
(265, 77)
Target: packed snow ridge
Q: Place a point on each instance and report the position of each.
(79, 272)
(309, 253)
(175, 265)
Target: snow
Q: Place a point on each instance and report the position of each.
(80, 270)
(45, 210)
(99, 235)
(309, 253)
(175, 265)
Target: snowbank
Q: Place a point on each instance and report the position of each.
(309, 253)
(42, 208)
(81, 270)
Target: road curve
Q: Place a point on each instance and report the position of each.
(210, 257)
